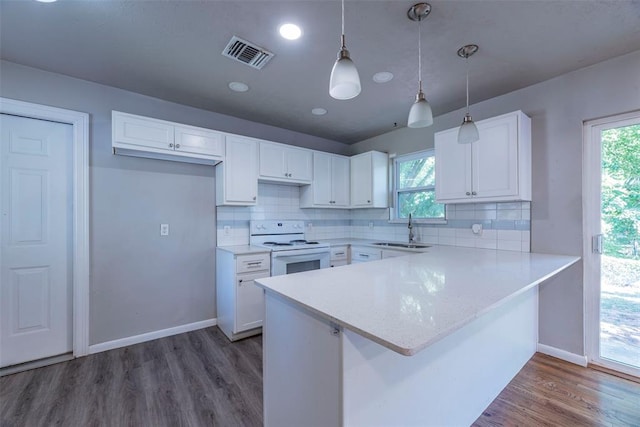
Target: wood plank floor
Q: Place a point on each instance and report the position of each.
(201, 379)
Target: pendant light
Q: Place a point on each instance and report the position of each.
(420, 114)
(468, 131)
(345, 81)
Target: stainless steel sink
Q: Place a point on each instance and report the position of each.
(403, 245)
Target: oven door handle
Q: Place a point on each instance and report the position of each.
(300, 252)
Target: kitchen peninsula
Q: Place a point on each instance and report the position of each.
(425, 339)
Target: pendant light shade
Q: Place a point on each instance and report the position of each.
(345, 80)
(468, 131)
(420, 114)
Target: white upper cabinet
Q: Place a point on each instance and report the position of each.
(237, 176)
(330, 185)
(495, 168)
(282, 163)
(194, 140)
(158, 139)
(369, 180)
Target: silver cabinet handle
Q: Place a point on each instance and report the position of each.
(254, 197)
(368, 201)
(364, 255)
(177, 145)
(170, 145)
(474, 193)
(339, 253)
(290, 175)
(240, 282)
(467, 193)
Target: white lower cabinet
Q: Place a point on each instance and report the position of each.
(339, 255)
(237, 176)
(364, 254)
(240, 303)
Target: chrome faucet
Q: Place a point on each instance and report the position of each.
(411, 235)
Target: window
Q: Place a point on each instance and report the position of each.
(415, 187)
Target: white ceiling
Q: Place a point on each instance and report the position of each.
(172, 50)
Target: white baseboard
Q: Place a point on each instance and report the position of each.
(562, 354)
(148, 336)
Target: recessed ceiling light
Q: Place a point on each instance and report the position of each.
(318, 111)
(290, 31)
(382, 77)
(238, 87)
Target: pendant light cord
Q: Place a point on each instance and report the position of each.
(342, 39)
(466, 61)
(420, 54)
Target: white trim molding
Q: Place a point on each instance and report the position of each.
(153, 335)
(80, 123)
(562, 354)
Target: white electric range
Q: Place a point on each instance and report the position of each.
(290, 251)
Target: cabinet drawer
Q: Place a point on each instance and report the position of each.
(257, 262)
(339, 253)
(365, 254)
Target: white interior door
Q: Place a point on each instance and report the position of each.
(35, 239)
(612, 242)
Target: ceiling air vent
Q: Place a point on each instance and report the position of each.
(247, 53)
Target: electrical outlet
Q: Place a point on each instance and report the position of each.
(309, 225)
(164, 229)
(227, 230)
(371, 224)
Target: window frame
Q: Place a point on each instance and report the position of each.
(395, 191)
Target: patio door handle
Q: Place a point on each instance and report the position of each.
(596, 244)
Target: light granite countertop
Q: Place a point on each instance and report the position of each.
(407, 303)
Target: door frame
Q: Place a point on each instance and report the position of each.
(591, 211)
(80, 227)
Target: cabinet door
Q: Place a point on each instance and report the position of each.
(272, 161)
(495, 159)
(241, 171)
(142, 131)
(361, 180)
(322, 179)
(453, 167)
(199, 141)
(299, 164)
(249, 302)
(340, 180)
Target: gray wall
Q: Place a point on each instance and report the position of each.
(557, 108)
(141, 282)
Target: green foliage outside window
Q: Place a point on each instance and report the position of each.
(416, 188)
(621, 191)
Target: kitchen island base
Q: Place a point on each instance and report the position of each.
(318, 374)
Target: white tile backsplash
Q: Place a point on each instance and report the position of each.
(282, 202)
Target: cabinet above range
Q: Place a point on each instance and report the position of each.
(285, 164)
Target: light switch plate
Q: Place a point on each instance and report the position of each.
(164, 229)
